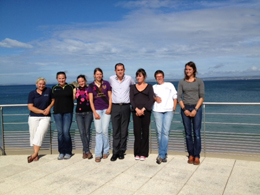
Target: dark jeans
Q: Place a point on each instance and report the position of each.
(192, 126)
(141, 132)
(63, 123)
(120, 116)
(84, 120)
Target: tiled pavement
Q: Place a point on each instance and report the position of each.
(128, 176)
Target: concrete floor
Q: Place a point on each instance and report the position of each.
(128, 176)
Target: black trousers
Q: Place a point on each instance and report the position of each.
(120, 116)
(141, 132)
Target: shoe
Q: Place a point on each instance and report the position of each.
(105, 156)
(191, 159)
(29, 159)
(89, 155)
(164, 160)
(36, 158)
(67, 156)
(98, 159)
(121, 155)
(114, 157)
(137, 158)
(61, 157)
(196, 161)
(142, 158)
(158, 160)
(84, 156)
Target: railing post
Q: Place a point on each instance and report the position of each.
(50, 138)
(204, 131)
(3, 134)
(150, 138)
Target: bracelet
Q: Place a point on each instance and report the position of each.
(184, 109)
(196, 109)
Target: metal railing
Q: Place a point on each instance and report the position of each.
(233, 131)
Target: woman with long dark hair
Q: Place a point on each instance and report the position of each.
(191, 94)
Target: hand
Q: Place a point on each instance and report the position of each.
(108, 111)
(187, 113)
(193, 113)
(139, 112)
(158, 99)
(97, 116)
(46, 111)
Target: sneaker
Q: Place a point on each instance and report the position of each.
(67, 156)
(164, 160)
(142, 158)
(158, 160)
(61, 157)
(137, 157)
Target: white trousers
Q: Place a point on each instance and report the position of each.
(38, 127)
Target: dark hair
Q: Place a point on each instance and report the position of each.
(193, 66)
(119, 64)
(61, 72)
(158, 72)
(81, 76)
(140, 71)
(98, 69)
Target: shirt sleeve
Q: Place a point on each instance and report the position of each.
(180, 91)
(148, 106)
(132, 88)
(201, 89)
(174, 92)
(31, 98)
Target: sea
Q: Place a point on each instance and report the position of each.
(222, 118)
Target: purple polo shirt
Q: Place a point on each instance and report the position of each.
(99, 102)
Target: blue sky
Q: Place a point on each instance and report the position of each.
(41, 37)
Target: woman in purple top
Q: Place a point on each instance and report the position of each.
(84, 115)
(100, 98)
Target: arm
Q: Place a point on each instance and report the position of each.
(34, 109)
(91, 101)
(149, 104)
(74, 94)
(175, 102)
(108, 111)
(48, 109)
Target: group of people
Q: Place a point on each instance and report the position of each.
(116, 99)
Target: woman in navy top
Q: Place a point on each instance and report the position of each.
(40, 102)
(84, 115)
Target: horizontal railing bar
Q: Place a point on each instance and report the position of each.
(232, 114)
(233, 103)
(221, 123)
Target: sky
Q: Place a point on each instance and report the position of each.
(38, 38)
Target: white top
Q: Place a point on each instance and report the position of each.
(167, 93)
(121, 90)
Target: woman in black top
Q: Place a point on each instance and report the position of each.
(64, 95)
(84, 115)
(141, 98)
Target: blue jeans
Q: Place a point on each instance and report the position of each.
(63, 123)
(163, 121)
(193, 140)
(84, 120)
(101, 125)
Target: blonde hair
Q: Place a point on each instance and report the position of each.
(41, 79)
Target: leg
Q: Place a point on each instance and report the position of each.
(196, 130)
(137, 134)
(105, 120)
(33, 123)
(167, 121)
(116, 121)
(125, 119)
(59, 125)
(99, 140)
(88, 122)
(80, 118)
(187, 126)
(145, 134)
(158, 117)
(67, 119)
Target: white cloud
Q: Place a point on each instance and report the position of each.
(10, 43)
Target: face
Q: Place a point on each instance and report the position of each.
(189, 71)
(40, 85)
(98, 76)
(61, 79)
(159, 78)
(81, 82)
(140, 78)
(120, 71)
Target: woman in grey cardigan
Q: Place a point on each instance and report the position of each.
(191, 94)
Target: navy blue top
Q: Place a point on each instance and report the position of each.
(40, 101)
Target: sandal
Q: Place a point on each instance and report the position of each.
(98, 159)
(105, 156)
(29, 159)
(36, 158)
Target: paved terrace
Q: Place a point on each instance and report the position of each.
(78, 176)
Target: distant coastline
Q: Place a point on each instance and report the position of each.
(174, 80)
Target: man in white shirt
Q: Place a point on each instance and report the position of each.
(120, 114)
(163, 111)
